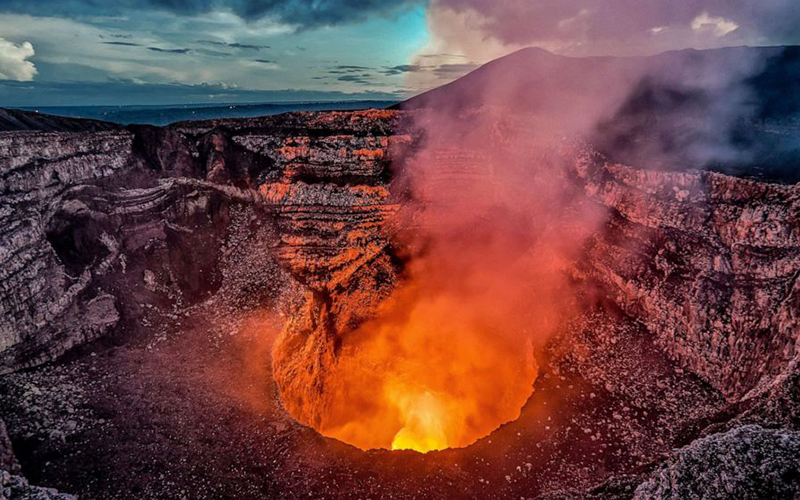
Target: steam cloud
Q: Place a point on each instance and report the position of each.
(493, 224)
(498, 217)
(680, 111)
(620, 27)
(677, 111)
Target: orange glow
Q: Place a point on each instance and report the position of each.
(448, 356)
(424, 419)
(434, 370)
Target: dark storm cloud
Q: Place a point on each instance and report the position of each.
(345, 67)
(515, 22)
(360, 79)
(213, 53)
(308, 14)
(125, 44)
(118, 36)
(245, 46)
(442, 70)
(351, 73)
(402, 68)
(169, 51)
(447, 70)
(207, 52)
(301, 13)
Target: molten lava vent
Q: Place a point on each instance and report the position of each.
(427, 375)
(423, 337)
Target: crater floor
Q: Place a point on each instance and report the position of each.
(189, 410)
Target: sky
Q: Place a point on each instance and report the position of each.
(95, 52)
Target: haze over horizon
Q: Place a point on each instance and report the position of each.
(158, 52)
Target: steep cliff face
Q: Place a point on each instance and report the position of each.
(708, 262)
(8, 462)
(329, 191)
(47, 308)
(748, 462)
(98, 226)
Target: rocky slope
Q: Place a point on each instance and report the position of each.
(708, 262)
(748, 462)
(100, 229)
(15, 119)
(87, 217)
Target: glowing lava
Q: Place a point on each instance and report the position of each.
(435, 349)
(424, 421)
(427, 375)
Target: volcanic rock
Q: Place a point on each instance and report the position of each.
(708, 262)
(8, 462)
(17, 488)
(85, 215)
(747, 462)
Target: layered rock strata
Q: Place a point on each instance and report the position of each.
(709, 263)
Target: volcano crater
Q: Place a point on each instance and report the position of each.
(229, 283)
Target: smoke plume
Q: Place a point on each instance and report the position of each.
(496, 214)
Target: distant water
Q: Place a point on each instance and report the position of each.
(164, 115)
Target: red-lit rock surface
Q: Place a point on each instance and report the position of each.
(136, 236)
